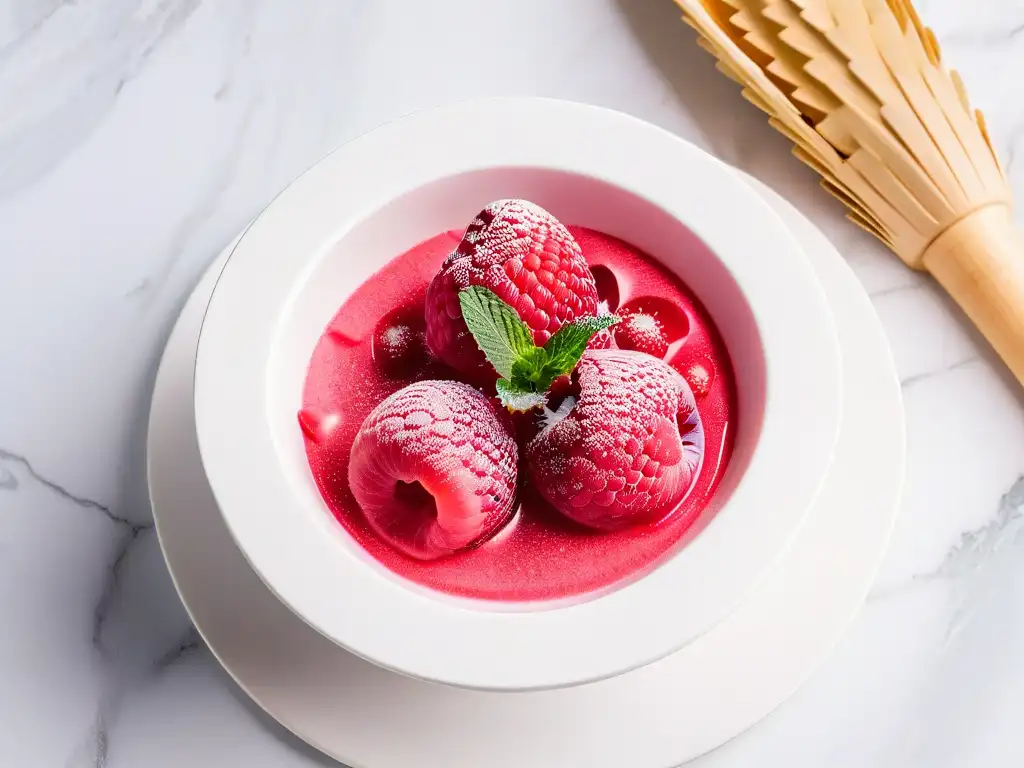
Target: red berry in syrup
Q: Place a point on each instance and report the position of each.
(434, 469)
(625, 448)
(699, 374)
(528, 258)
(672, 319)
(641, 333)
(399, 347)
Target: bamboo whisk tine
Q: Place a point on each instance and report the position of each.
(860, 88)
(867, 77)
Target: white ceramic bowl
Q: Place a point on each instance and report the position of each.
(389, 189)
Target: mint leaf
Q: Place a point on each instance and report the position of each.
(496, 328)
(567, 346)
(516, 398)
(528, 370)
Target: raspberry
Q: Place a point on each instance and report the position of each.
(398, 345)
(434, 469)
(699, 374)
(672, 319)
(641, 333)
(523, 254)
(626, 449)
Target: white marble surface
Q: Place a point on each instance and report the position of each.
(138, 136)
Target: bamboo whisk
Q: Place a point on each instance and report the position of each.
(859, 87)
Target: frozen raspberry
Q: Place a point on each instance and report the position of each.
(523, 254)
(625, 449)
(699, 374)
(672, 318)
(641, 333)
(434, 469)
(398, 345)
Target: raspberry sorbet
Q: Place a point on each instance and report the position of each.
(521, 411)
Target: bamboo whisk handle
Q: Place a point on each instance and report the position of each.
(980, 262)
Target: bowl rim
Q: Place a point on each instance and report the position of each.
(346, 598)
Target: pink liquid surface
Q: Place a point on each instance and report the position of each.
(540, 555)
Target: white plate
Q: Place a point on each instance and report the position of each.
(391, 188)
(655, 717)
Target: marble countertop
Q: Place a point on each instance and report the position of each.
(138, 136)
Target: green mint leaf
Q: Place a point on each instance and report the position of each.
(517, 399)
(528, 370)
(567, 346)
(496, 328)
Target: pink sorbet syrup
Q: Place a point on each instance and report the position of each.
(540, 555)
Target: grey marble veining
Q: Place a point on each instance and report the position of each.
(138, 136)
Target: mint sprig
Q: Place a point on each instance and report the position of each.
(496, 327)
(526, 370)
